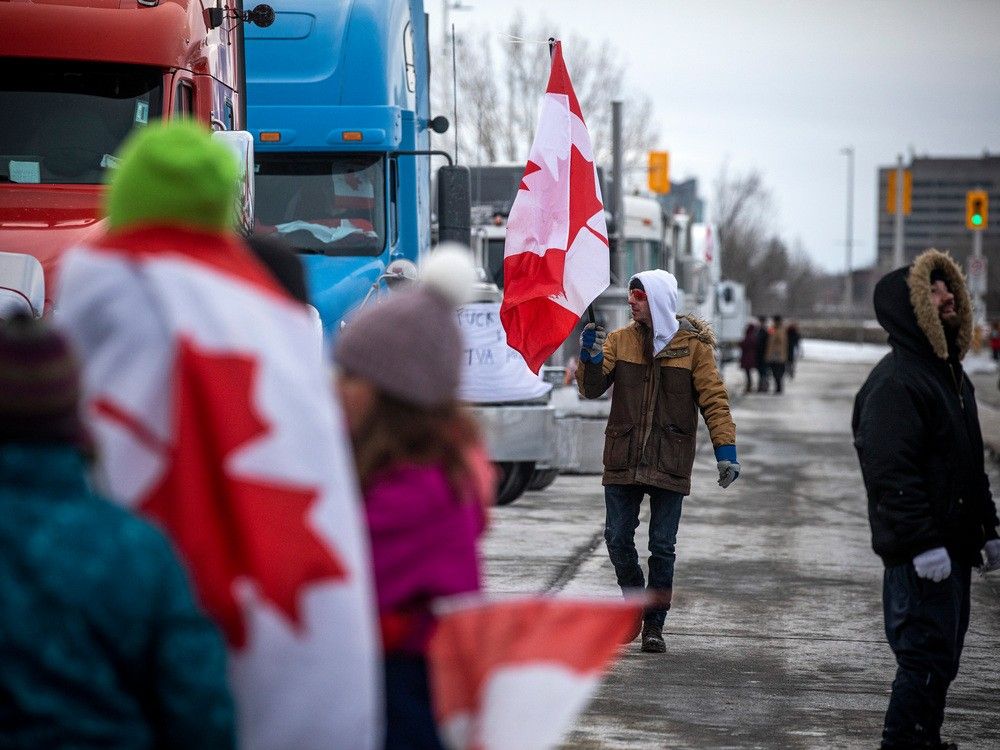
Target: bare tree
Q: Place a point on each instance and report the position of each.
(777, 280)
(498, 103)
(743, 211)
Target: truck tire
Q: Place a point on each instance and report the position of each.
(513, 480)
(542, 478)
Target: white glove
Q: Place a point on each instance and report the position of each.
(933, 564)
(728, 471)
(992, 550)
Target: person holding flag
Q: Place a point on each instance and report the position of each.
(210, 405)
(663, 370)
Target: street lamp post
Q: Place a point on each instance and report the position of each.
(849, 277)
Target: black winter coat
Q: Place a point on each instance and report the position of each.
(916, 428)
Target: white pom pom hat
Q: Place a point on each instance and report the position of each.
(410, 346)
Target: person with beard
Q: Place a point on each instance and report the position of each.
(663, 370)
(917, 434)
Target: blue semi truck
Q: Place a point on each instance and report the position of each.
(338, 102)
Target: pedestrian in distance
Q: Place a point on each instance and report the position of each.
(423, 471)
(663, 370)
(776, 352)
(916, 431)
(794, 348)
(995, 340)
(103, 644)
(748, 355)
(763, 374)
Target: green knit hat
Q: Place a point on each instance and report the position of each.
(173, 173)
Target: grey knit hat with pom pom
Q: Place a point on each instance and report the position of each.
(410, 346)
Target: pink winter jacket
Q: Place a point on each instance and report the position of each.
(423, 539)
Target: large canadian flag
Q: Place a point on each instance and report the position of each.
(213, 415)
(514, 674)
(556, 259)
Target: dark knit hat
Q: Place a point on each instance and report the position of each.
(410, 346)
(39, 385)
(938, 274)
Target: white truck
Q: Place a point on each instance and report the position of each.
(697, 262)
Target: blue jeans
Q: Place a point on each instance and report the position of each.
(925, 624)
(622, 502)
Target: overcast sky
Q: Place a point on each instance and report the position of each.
(783, 86)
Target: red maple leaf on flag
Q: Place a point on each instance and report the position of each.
(583, 200)
(530, 168)
(229, 526)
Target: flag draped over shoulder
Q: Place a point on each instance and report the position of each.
(502, 681)
(212, 412)
(556, 259)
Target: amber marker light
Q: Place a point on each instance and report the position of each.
(271, 136)
(351, 135)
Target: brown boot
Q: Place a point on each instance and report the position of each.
(652, 639)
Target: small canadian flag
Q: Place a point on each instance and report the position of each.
(513, 674)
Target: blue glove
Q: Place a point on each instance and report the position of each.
(934, 564)
(729, 467)
(592, 343)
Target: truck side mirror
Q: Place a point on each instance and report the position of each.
(454, 205)
(439, 124)
(240, 142)
(22, 286)
(260, 15)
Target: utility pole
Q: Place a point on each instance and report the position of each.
(618, 188)
(849, 277)
(898, 255)
(448, 50)
(446, 7)
(979, 299)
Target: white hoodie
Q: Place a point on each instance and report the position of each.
(661, 290)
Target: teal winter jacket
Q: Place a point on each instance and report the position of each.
(101, 642)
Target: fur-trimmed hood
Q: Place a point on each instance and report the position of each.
(904, 307)
(697, 326)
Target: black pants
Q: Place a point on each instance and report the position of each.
(925, 624)
(410, 723)
(762, 378)
(778, 372)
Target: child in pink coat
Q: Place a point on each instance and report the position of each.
(423, 472)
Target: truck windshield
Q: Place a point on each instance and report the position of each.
(61, 122)
(332, 204)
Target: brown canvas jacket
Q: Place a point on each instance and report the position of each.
(650, 438)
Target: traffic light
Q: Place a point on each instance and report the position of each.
(977, 210)
(890, 193)
(659, 171)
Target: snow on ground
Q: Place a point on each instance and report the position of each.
(818, 350)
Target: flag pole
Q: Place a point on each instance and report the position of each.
(590, 307)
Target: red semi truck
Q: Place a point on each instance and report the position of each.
(76, 76)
